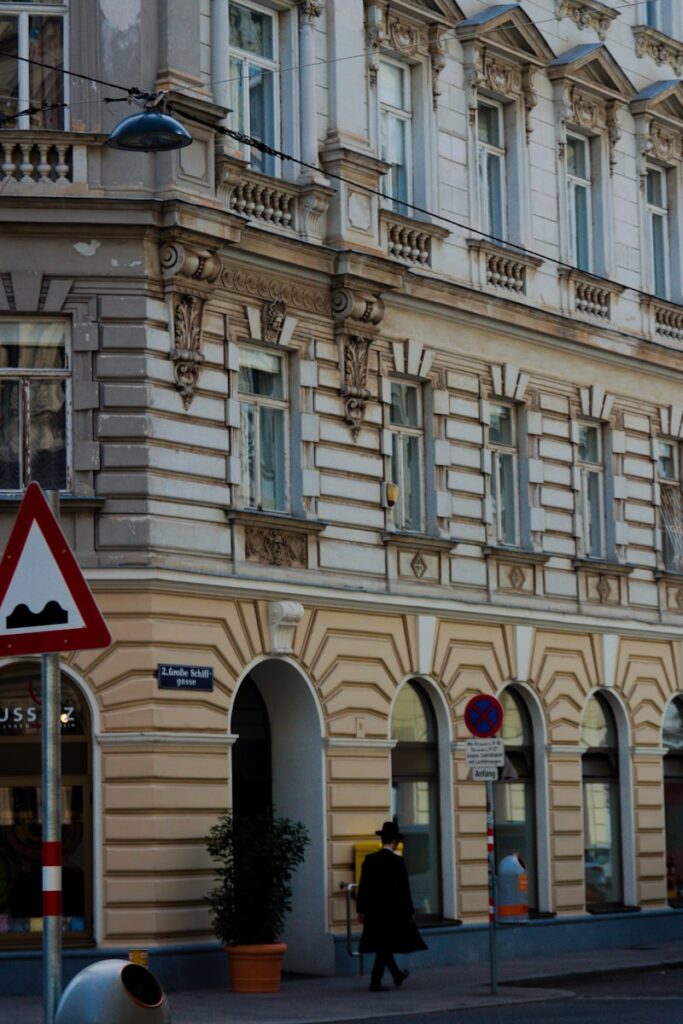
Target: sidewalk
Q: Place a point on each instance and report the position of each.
(323, 1000)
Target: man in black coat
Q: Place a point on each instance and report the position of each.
(385, 909)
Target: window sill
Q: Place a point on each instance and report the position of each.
(67, 502)
(273, 539)
(611, 908)
(516, 555)
(663, 49)
(275, 520)
(421, 540)
(601, 566)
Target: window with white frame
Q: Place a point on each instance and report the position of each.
(579, 184)
(254, 78)
(34, 386)
(36, 32)
(491, 168)
(263, 397)
(662, 15)
(504, 468)
(658, 229)
(591, 469)
(395, 132)
(407, 447)
(669, 478)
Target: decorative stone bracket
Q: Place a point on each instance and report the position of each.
(588, 14)
(358, 313)
(283, 617)
(189, 269)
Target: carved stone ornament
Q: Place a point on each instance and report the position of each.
(679, 598)
(437, 52)
(517, 577)
(273, 316)
(193, 263)
(310, 10)
(354, 389)
(588, 14)
(508, 80)
(272, 546)
(604, 589)
(418, 565)
(283, 618)
(186, 355)
(661, 48)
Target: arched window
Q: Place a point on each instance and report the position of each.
(672, 740)
(21, 810)
(601, 818)
(415, 794)
(514, 799)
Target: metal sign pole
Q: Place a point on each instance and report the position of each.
(52, 824)
(492, 886)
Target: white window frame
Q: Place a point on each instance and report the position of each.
(574, 181)
(498, 450)
(662, 212)
(60, 373)
(668, 481)
(397, 430)
(483, 150)
(587, 469)
(271, 165)
(257, 401)
(23, 11)
(404, 115)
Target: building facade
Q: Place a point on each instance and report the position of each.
(373, 404)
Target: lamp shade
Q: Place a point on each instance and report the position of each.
(149, 132)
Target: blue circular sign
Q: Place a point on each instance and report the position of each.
(483, 715)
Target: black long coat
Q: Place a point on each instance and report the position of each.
(384, 898)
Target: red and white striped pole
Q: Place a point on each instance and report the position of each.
(490, 856)
(52, 824)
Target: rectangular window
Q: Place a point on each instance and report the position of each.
(33, 405)
(32, 31)
(668, 474)
(592, 490)
(580, 202)
(263, 429)
(254, 78)
(503, 442)
(658, 229)
(405, 418)
(491, 165)
(395, 126)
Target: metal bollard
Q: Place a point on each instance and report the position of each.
(113, 992)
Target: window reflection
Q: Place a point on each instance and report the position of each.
(415, 795)
(514, 798)
(672, 737)
(601, 815)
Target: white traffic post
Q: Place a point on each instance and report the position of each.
(52, 823)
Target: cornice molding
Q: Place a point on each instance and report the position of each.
(660, 47)
(588, 14)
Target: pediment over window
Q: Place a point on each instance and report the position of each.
(663, 100)
(444, 11)
(593, 69)
(508, 32)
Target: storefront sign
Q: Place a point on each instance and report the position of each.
(185, 677)
(22, 717)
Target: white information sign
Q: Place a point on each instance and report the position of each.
(484, 774)
(485, 754)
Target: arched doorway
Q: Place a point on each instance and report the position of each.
(672, 741)
(415, 795)
(278, 754)
(21, 810)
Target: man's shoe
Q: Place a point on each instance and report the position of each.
(400, 978)
(376, 986)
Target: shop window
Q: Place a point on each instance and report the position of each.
(514, 797)
(407, 445)
(415, 795)
(263, 396)
(21, 812)
(34, 388)
(601, 815)
(672, 740)
(32, 31)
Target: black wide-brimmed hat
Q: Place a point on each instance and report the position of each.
(389, 832)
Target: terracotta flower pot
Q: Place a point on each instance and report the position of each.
(256, 968)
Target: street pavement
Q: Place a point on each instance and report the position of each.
(533, 990)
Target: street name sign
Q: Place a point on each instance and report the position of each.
(185, 677)
(45, 603)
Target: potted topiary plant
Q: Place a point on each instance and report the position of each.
(257, 855)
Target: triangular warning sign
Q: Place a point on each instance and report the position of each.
(45, 603)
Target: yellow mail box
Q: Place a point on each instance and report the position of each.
(361, 850)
